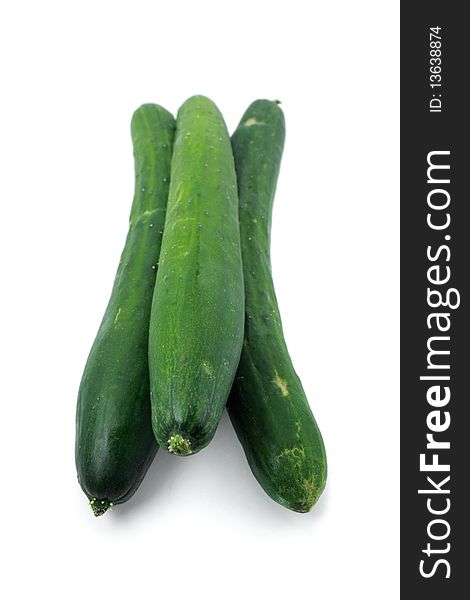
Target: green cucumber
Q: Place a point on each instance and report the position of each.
(267, 405)
(114, 440)
(196, 325)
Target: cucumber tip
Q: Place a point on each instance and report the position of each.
(179, 445)
(99, 507)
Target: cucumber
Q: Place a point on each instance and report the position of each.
(267, 405)
(114, 440)
(196, 325)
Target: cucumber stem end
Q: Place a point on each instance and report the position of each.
(179, 445)
(99, 507)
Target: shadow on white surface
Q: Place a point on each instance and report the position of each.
(218, 478)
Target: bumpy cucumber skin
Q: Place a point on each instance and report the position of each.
(196, 326)
(267, 405)
(114, 440)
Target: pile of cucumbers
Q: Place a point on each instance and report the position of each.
(193, 324)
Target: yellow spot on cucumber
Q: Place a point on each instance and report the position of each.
(252, 121)
(117, 315)
(208, 368)
(310, 494)
(298, 427)
(281, 384)
(296, 452)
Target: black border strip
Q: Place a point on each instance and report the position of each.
(422, 132)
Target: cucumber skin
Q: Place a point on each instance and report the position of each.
(196, 326)
(114, 440)
(267, 406)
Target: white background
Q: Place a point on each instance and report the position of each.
(200, 528)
